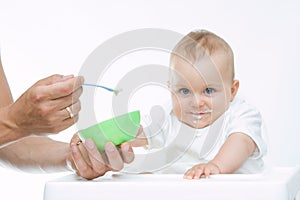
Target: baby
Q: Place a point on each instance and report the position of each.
(203, 92)
(206, 128)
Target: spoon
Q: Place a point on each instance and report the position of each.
(116, 92)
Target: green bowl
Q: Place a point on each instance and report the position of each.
(117, 130)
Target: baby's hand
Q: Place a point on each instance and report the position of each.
(202, 169)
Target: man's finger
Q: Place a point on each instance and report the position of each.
(53, 79)
(127, 152)
(114, 158)
(95, 157)
(61, 88)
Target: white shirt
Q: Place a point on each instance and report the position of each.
(174, 147)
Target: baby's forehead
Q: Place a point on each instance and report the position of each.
(207, 65)
(192, 74)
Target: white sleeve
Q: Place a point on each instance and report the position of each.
(156, 127)
(247, 119)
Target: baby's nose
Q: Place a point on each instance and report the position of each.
(198, 100)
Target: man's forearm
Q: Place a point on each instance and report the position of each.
(36, 154)
(8, 131)
(6, 96)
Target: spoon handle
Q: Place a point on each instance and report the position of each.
(100, 86)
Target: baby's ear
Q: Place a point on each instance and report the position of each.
(234, 89)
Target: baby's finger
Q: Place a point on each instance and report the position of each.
(198, 173)
(215, 170)
(211, 169)
(207, 172)
(189, 174)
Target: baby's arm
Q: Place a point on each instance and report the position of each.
(237, 148)
(140, 139)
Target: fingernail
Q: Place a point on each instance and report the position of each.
(125, 147)
(74, 149)
(89, 143)
(67, 76)
(110, 147)
(82, 79)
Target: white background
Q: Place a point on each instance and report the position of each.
(40, 38)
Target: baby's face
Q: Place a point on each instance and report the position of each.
(200, 94)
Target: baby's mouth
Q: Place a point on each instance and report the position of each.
(200, 114)
(197, 115)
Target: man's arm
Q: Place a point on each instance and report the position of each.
(6, 97)
(39, 110)
(36, 154)
(5, 100)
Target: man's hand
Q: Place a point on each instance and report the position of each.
(89, 163)
(42, 108)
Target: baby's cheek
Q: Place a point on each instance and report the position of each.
(177, 106)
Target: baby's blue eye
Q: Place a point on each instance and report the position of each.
(209, 90)
(184, 91)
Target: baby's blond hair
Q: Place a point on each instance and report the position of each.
(199, 43)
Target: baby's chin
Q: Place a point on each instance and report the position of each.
(197, 125)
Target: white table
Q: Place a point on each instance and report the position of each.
(276, 184)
